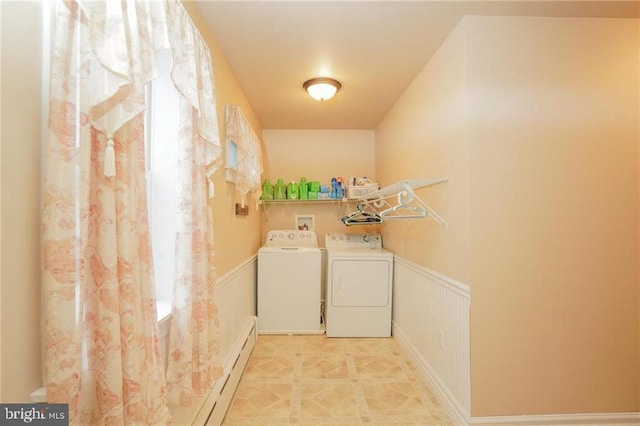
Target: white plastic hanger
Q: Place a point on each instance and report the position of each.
(404, 210)
(408, 206)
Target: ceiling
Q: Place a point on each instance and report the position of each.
(374, 48)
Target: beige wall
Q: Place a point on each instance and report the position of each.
(237, 237)
(554, 193)
(425, 136)
(535, 122)
(316, 155)
(319, 154)
(20, 181)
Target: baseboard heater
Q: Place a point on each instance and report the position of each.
(216, 404)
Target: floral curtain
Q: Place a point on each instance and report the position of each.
(239, 130)
(194, 340)
(101, 337)
(100, 334)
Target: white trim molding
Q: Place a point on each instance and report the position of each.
(443, 280)
(595, 419)
(231, 275)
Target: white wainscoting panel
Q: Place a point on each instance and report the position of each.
(236, 294)
(431, 322)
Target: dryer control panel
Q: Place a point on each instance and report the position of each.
(354, 241)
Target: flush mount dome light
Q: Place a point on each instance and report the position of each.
(322, 88)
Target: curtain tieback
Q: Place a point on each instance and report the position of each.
(109, 159)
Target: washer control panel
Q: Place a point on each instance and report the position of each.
(291, 238)
(355, 241)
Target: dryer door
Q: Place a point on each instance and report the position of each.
(360, 282)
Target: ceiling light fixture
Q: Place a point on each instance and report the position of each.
(322, 88)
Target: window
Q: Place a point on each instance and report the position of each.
(161, 127)
(231, 165)
(246, 171)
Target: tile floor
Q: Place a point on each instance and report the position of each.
(335, 381)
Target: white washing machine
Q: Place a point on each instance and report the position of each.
(359, 286)
(289, 283)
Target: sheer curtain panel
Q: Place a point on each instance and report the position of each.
(100, 334)
(249, 172)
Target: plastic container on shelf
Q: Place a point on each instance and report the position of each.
(279, 191)
(304, 189)
(267, 190)
(356, 191)
(293, 191)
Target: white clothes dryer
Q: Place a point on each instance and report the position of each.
(359, 286)
(289, 283)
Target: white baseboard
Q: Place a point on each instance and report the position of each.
(596, 419)
(215, 406)
(451, 406)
